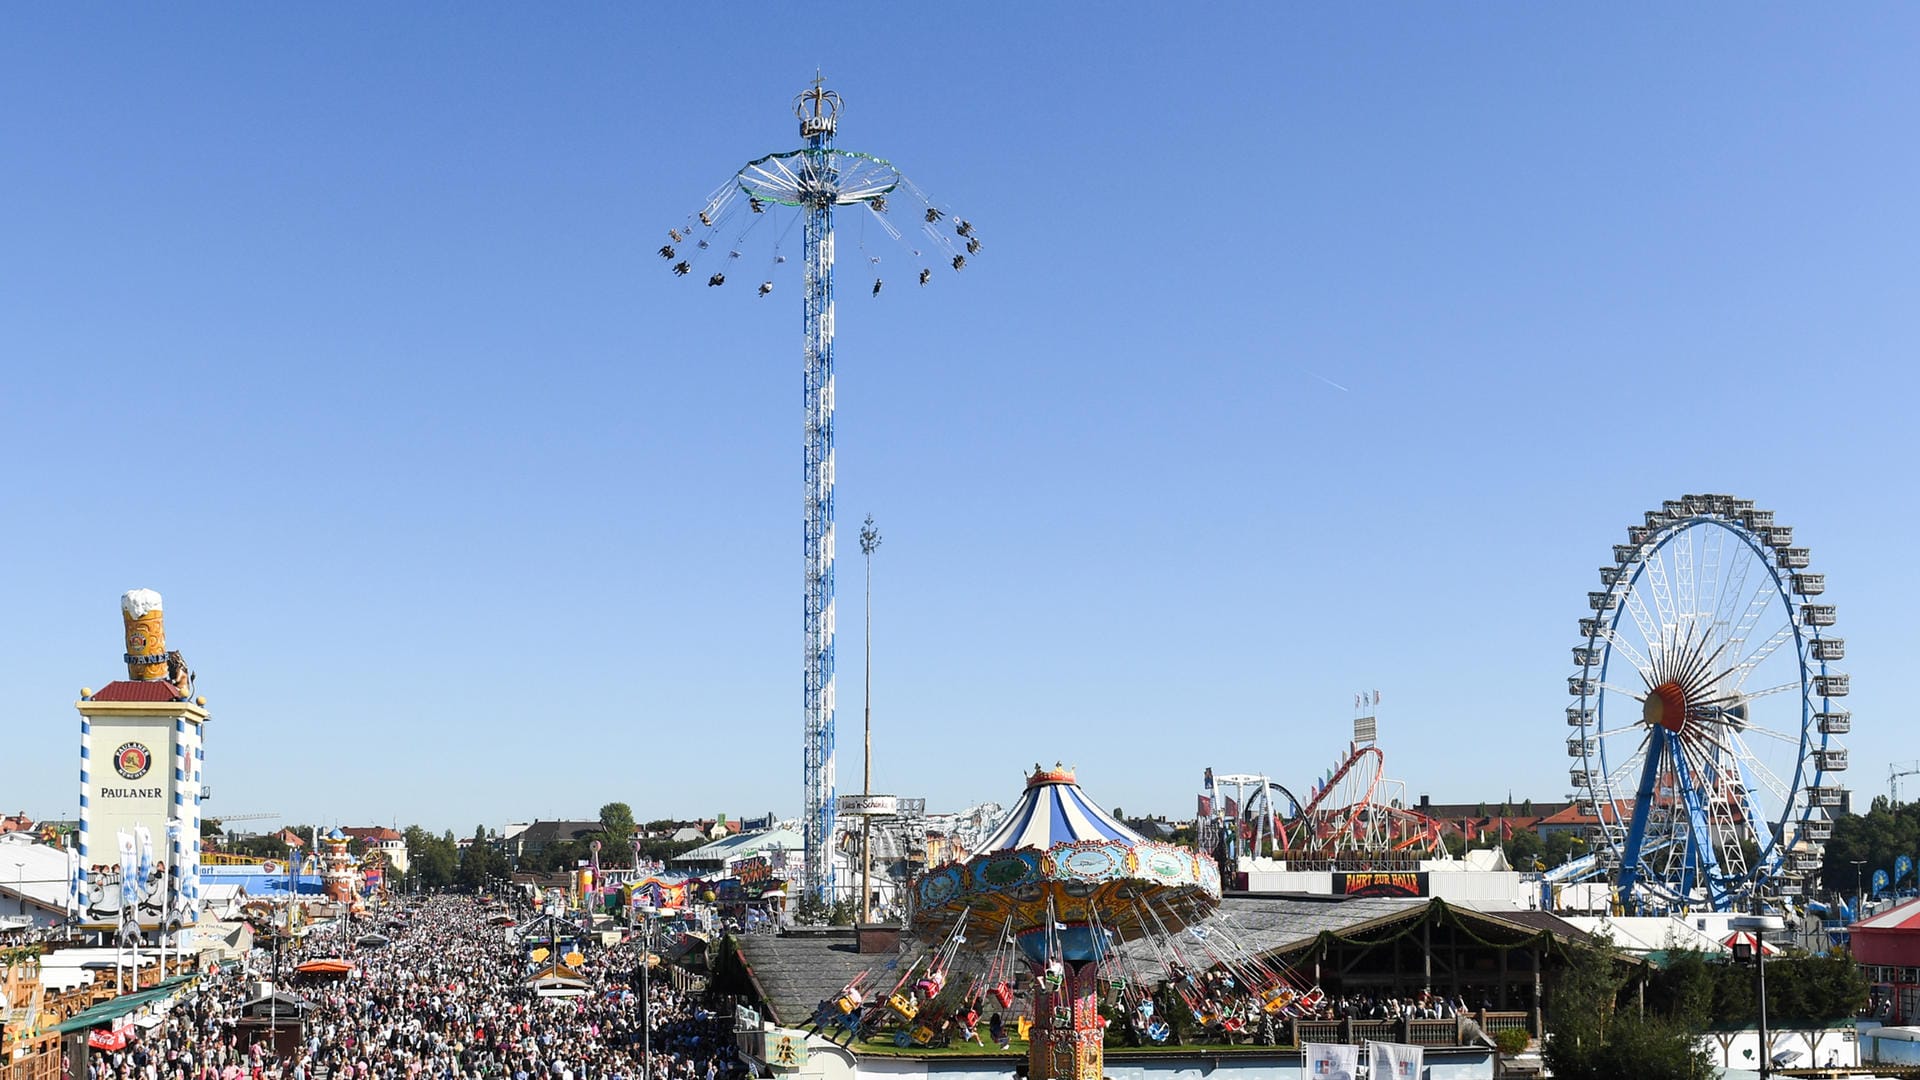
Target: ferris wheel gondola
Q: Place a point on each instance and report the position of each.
(1703, 730)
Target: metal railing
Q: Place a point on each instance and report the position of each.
(1447, 1031)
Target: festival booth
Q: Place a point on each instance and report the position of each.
(108, 1025)
(557, 981)
(327, 967)
(1887, 948)
(276, 1018)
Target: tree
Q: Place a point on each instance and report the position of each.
(616, 834)
(1592, 1039)
(432, 860)
(1879, 836)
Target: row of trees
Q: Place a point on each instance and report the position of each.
(615, 836)
(1876, 838)
(439, 862)
(1597, 1032)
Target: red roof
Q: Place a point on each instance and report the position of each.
(1899, 917)
(1890, 939)
(158, 690)
(376, 832)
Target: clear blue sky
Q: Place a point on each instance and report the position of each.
(343, 329)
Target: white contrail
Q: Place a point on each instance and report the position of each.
(1329, 382)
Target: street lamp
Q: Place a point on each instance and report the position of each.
(1758, 926)
(646, 994)
(1859, 891)
(869, 543)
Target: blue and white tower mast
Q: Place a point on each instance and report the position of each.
(714, 243)
(818, 109)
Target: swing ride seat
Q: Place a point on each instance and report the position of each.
(903, 1006)
(1278, 1002)
(847, 1003)
(1003, 994)
(922, 1035)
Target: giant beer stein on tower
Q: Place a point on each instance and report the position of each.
(146, 628)
(141, 764)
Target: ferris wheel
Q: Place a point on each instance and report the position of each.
(1706, 709)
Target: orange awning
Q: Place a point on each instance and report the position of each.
(326, 967)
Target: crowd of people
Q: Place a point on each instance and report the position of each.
(445, 998)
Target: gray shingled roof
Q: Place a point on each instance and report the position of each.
(798, 968)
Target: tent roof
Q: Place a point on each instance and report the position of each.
(115, 1008)
(326, 966)
(1053, 810)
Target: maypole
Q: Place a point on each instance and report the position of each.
(814, 180)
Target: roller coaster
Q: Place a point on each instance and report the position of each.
(1353, 815)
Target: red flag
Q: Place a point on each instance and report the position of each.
(1206, 806)
(1233, 807)
(1506, 829)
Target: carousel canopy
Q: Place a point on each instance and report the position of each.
(1055, 811)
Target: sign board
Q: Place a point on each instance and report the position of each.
(1365, 729)
(869, 805)
(745, 1019)
(787, 1048)
(1379, 883)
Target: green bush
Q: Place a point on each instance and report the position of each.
(1511, 1041)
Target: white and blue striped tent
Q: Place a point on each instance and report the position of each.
(1055, 811)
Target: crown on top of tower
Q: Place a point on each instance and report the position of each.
(1059, 774)
(817, 107)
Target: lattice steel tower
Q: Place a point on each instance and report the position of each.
(814, 180)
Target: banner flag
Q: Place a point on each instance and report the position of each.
(1332, 1061)
(1393, 1061)
(76, 883)
(129, 875)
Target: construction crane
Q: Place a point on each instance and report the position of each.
(1894, 772)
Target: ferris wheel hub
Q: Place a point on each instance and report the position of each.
(1666, 706)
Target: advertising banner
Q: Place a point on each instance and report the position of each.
(1380, 883)
(130, 776)
(869, 805)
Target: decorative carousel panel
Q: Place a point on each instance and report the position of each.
(1004, 870)
(940, 887)
(1096, 860)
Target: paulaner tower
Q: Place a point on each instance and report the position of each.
(141, 755)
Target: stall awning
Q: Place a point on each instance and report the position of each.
(115, 1008)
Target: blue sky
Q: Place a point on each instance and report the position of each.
(343, 329)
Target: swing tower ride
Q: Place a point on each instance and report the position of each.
(812, 181)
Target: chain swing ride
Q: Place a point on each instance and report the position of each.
(745, 227)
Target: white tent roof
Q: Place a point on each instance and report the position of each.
(33, 870)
